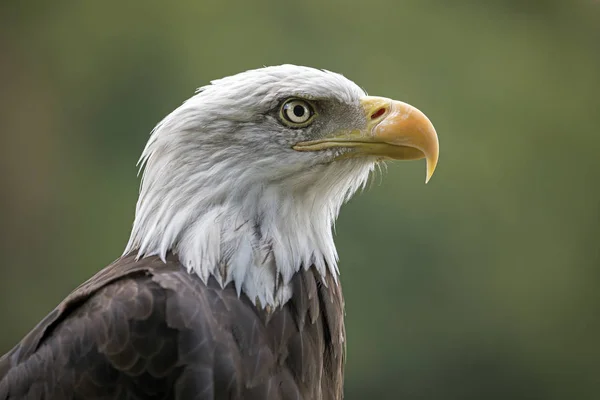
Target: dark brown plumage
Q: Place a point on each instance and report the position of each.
(149, 330)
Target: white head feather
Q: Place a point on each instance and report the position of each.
(223, 189)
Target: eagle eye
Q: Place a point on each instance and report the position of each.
(297, 113)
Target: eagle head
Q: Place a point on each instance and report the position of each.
(244, 180)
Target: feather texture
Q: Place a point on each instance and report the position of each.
(148, 330)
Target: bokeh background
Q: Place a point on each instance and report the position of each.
(482, 284)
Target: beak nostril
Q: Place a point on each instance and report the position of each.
(378, 113)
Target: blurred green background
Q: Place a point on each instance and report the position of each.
(481, 285)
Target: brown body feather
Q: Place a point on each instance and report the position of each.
(149, 330)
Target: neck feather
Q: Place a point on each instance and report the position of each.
(245, 229)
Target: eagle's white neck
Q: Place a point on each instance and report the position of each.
(244, 228)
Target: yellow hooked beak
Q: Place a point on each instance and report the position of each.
(395, 130)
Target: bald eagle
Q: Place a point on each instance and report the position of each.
(228, 287)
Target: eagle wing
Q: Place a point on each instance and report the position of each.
(144, 329)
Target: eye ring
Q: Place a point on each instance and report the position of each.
(297, 113)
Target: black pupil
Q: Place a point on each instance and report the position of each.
(298, 111)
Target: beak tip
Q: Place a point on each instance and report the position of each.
(430, 169)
